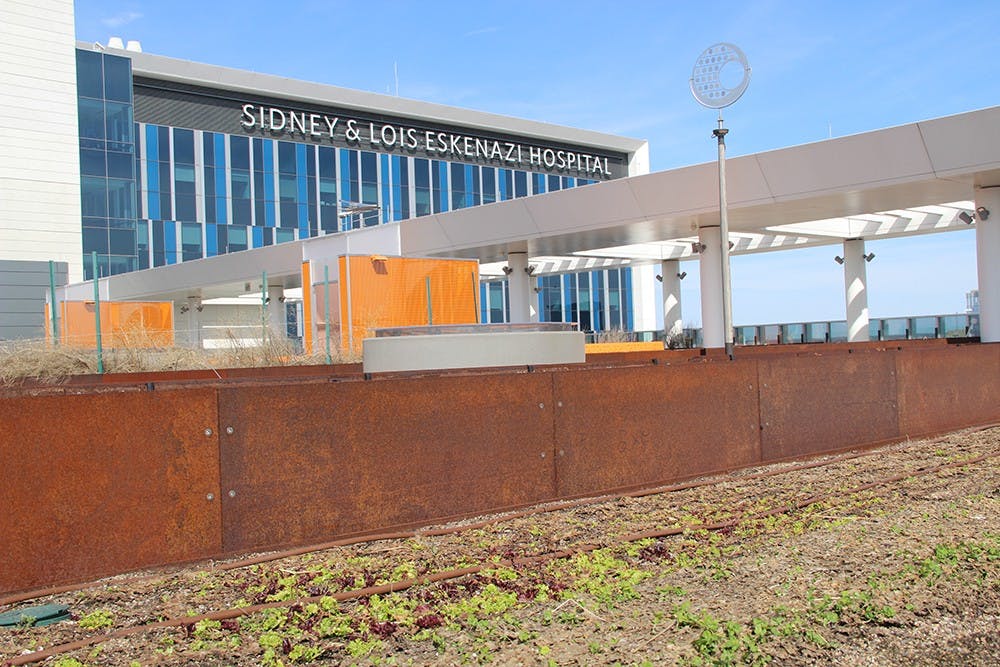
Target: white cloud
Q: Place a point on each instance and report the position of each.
(481, 31)
(120, 20)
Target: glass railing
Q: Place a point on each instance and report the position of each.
(832, 331)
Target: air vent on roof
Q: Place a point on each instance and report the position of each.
(115, 43)
(133, 45)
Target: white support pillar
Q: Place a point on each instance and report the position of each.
(988, 262)
(856, 290)
(712, 327)
(519, 288)
(276, 311)
(673, 325)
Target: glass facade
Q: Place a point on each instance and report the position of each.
(596, 300)
(155, 195)
(107, 163)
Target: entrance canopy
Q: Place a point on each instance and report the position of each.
(910, 179)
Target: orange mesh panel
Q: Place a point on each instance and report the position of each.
(123, 324)
(307, 312)
(392, 292)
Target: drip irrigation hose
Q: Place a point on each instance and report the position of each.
(403, 584)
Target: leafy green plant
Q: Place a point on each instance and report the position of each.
(97, 619)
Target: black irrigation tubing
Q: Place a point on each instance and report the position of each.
(535, 510)
(404, 584)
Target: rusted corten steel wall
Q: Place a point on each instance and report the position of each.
(309, 462)
(98, 484)
(629, 427)
(945, 389)
(824, 403)
(109, 479)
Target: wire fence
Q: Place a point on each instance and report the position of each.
(237, 345)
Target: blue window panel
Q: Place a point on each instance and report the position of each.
(627, 298)
(569, 297)
(269, 214)
(397, 190)
(152, 144)
(471, 186)
(568, 182)
(597, 296)
(92, 126)
(220, 180)
(504, 184)
(457, 185)
(170, 241)
(89, 74)
(302, 190)
(269, 196)
(538, 183)
(520, 183)
(152, 173)
(489, 189)
(117, 78)
(154, 205)
(482, 302)
(303, 215)
(208, 149)
(386, 196)
(211, 241)
(257, 237)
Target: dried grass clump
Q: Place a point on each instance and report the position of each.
(20, 360)
(51, 364)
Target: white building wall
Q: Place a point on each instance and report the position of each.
(39, 135)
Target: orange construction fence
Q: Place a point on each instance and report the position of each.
(137, 324)
(369, 292)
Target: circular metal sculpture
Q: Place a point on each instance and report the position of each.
(706, 83)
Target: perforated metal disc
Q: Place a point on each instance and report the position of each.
(706, 85)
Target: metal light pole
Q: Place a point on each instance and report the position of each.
(709, 90)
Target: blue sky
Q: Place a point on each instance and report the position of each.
(820, 69)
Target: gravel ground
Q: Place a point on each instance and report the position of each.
(799, 567)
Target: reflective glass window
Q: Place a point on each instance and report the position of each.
(598, 299)
(240, 184)
(190, 241)
(520, 184)
(92, 129)
(327, 163)
(237, 238)
(117, 78)
(89, 74)
(122, 264)
(489, 185)
(241, 212)
(92, 162)
(95, 240)
(239, 152)
(94, 196)
(121, 241)
(496, 301)
(142, 244)
(457, 185)
(286, 157)
(121, 198)
(183, 146)
(120, 165)
(119, 126)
